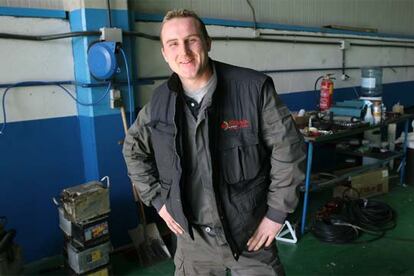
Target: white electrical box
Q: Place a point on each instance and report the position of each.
(111, 34)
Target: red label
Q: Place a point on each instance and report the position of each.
(234, 124)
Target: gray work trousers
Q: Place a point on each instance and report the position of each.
(204, 256)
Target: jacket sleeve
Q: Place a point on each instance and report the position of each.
(140, 161)
(287, 148)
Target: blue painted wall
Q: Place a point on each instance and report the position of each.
(38, 159)
(42, 157)
(392, 93)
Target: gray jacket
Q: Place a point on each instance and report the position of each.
(259, 150)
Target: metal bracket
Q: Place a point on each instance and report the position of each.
(282, 235)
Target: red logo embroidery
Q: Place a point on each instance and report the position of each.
(234, 124)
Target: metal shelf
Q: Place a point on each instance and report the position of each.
(377, 155)
(317, 185)
(342, 133)
(383, 159)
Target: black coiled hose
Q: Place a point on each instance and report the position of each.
(356, 216)
(329, 231)
(372, 215)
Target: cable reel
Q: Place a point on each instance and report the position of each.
(103, 64)
(102, 60)
(102, 54)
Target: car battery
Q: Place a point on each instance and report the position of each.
(84, 234)
(85, 202)
(82, 261)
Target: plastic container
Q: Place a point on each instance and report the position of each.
(371, 82)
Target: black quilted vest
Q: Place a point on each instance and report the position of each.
(240, 161)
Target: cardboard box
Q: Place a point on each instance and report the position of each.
(368, 184)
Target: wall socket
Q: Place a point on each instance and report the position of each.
(115, 98)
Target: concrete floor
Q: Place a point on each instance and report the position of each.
(391, 255)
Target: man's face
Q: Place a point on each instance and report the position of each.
(184, 49)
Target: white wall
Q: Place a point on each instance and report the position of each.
(33, 60)
(389, 16)
(271, 56)
(66, 5)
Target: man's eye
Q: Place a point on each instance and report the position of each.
(193, 40)
(172, 44)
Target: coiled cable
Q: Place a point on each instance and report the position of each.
(349, 219)
(372, 215)
(329, 230)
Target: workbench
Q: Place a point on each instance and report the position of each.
(383, 159)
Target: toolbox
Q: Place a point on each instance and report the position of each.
(85, 202)
(84, 234)
(82, 261)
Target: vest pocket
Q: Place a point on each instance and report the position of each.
(254, 195)
(240, 160)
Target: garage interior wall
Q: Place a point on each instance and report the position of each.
(47, 143)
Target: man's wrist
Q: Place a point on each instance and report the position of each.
(157, 203)
(276, 215)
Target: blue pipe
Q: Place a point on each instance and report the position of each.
(307, 184)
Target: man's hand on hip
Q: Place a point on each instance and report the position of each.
(264, 234)
(171, 223)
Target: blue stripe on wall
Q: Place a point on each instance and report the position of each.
(42, 157)
(392, 94)
(30, 12)
(39, 159)
(398, 92)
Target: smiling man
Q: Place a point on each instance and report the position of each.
(218, 155)
(185, 50)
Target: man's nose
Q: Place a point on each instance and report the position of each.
(184, 49)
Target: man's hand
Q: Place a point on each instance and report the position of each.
(171, 223)
(264, 234)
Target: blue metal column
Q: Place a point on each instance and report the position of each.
(101, 128)
(91, 19)
(307, 184)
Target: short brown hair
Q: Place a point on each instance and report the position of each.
(183, 13)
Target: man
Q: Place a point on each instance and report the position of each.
(217, 154)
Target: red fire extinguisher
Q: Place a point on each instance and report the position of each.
(326, 96)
